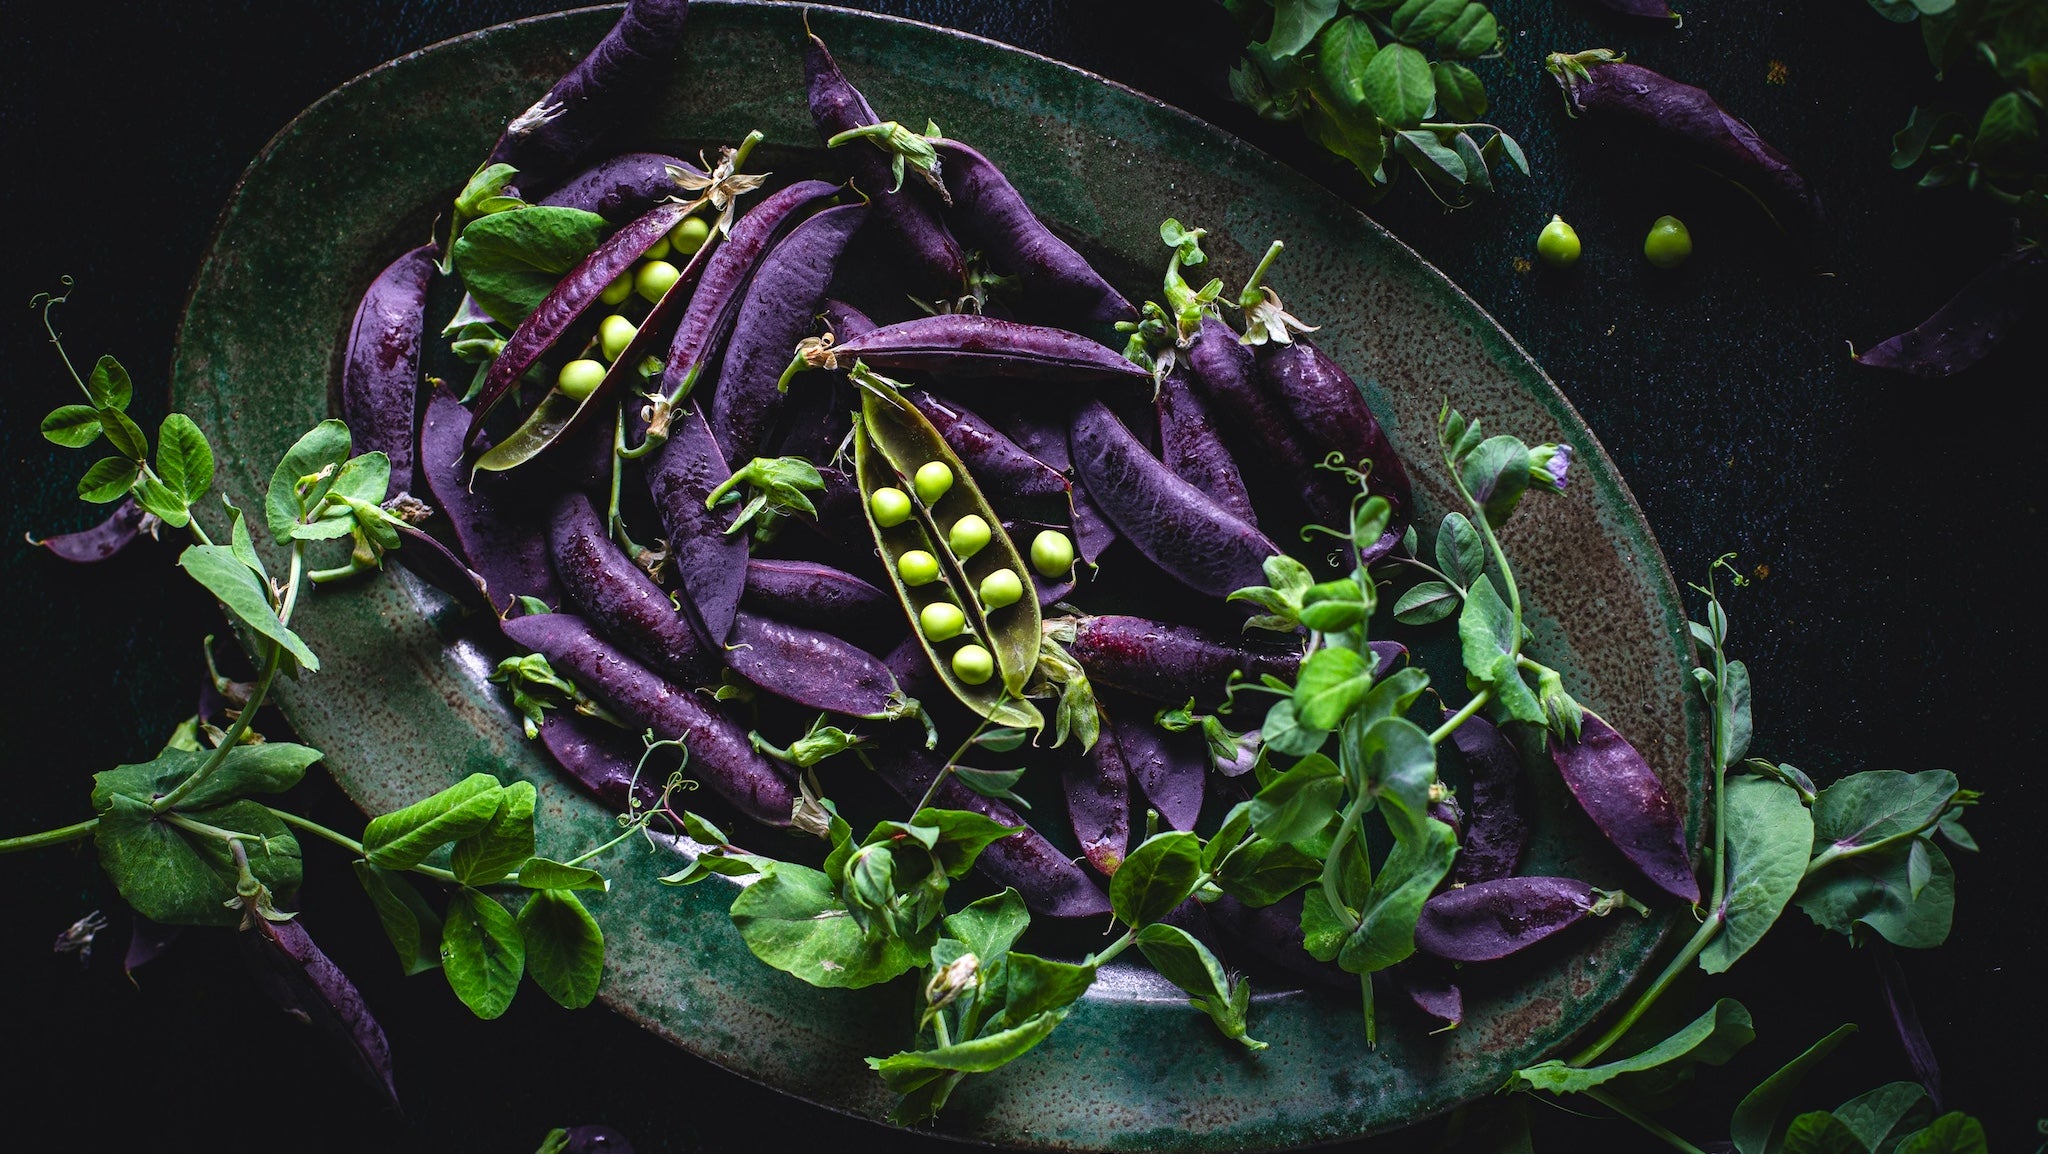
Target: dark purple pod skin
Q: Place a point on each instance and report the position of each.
(624, 186)
(710, 563)
(618, 597)
(437, 565)
(147, 941)
(489, 523)
(844, 321)
(380, 372)
(1624, 797)
(306, 984)
(821, 597)
(908, 216)
(2000, 303)
(1192, 446)
(1487, 921)
(1171, 769)
(1098, 791)
(1647, 9)
(841, 518)
(1330, 416)
(1428, 987)
(89, 546)
(709, 318)
(596, 96)
(593, 753)
(1260, 435)
(989, 211)
(967, 345)
(1000, 466)
(812, 668)
(1175, 525)
(720, 754)
(1168, 663)
(1690, 118)
(1273, 934)
(596, 1140)
(1045, 438)
(1496, 831)
(781, 299)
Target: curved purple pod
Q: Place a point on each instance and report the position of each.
(437, 565)
(814, 669)
(1044, 436)
(624, 186)
(103, 540)
(989, 211)
(1496, 830)
(1259, 433)
(821, 597)
(1171, 522)
(489, 522)
(1191, 445)
(1000, 466)
(1171, 769)
(1489, 920)
(907, 216)
(618, 597)
(305, 983)
(1273, 935)
(595, 754)
(1428, 987)
(1330, 417)
(842, 516)
(595, 97)
(380, 371)
(781, 299)
(720, 754)
(968, 345)
(1995, 306)
(1624, 797)
(710, 563)
(702, 331)
(1098, 791)
(1168, 663)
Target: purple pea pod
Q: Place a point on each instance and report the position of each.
(147, 941)
(1045, 437)
(1272, 934)
(1168, 663)
(720, 753)
(380, 371)
(1623, 796)
(1000, 466)
(1488, 921)
(969, 346)
(841, 517)
(595, 754)
(595, 1140)
(783, 295)
(1175, 525)
(1192, 446)
(2000, 303)
(908, 217)
(1261, 435)
(815, 669)
(596, 96)
(89, 546)
(489, 522)
(710, 562)
(1171, 769)
(1098, 790)
(624, 186)
(844, 321)
(437, 565)
(818, 596)
(1429, 988)
(1496, 831)
(306, 984)
(991, 214)
(618, 597)
(1330, 418)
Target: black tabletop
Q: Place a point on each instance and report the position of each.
(1889, 525)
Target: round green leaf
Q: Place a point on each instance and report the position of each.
(1398, 85)
(564, 947)
(72, 426)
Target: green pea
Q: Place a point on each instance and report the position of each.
(580, 378)
(918, 567)
(654, 278)
(656, 251)
(1051, 553)
(1001, 588)
(933, 480)
(972, 664)
(891, 507)
(967, 536)
(1558, 243)
(941, 620)
(1669, 243)
(616, 292)
(614, 333)
(690, 235)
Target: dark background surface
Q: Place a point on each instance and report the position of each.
(1897, 521)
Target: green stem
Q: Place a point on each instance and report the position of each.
(1616, 1105)
(49, 837)
(1678, 965)
(586, 855)
(1250, 295)
(1116, 947)
(352, 845)
(947, 769)
(1333, 864)
(1459, 718)
(233, 736)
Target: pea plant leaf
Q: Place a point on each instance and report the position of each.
(1386, 925)
(792, 919)
(411, 925)
(1875, 890)
(72, 426)
(1770, 833)
(108, 385)
(1756, 1128)
(988, 927)
(487, 855)
(1331, 683)
(241, 593)
(403, 839)
(177, 868)
(311, 462)
(1713, 1038)
(1183, 960)
(183, 458)
(509, 261)
(564, 947)
(539, 873)
(1300, 802)
(1398, 85)
(482, 953)
(1156, 877)
(1486, 633)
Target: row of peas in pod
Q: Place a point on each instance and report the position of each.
(651, 276)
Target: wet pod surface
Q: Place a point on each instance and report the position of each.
(402, 707)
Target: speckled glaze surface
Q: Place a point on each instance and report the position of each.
(401, 705)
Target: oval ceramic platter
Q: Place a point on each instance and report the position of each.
(401, 705)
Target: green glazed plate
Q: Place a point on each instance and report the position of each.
(401, 706)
